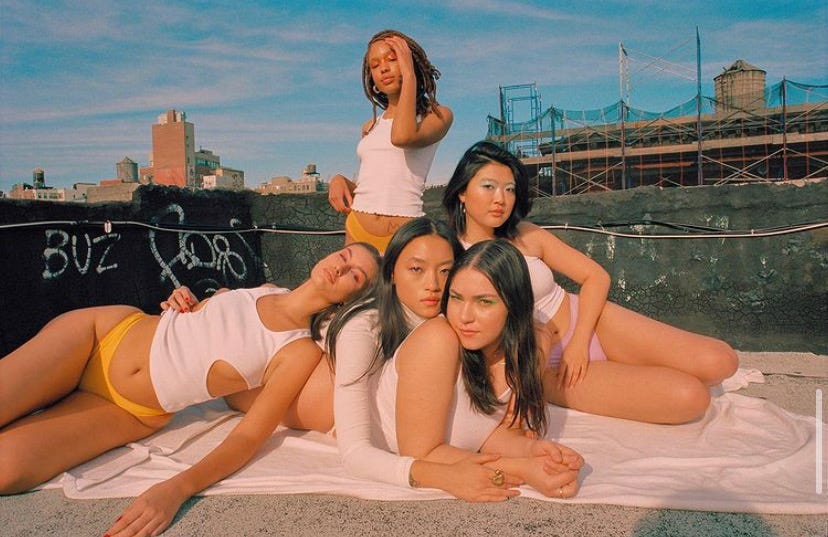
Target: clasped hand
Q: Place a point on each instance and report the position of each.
(554, 469)
(470, 479)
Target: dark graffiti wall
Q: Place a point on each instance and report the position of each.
(60, 256)
(757, 292)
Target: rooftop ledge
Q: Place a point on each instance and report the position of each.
(744, 263)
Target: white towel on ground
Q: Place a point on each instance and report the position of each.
(745, 455)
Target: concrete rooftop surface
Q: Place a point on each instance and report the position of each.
(791, 381)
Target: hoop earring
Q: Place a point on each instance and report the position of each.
(376, 90)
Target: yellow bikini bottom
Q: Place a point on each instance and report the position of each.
(358, 233)
(95, 378)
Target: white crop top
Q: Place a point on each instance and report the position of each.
(228, 328)
(391, 180)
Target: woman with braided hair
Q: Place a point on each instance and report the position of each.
(397, 146)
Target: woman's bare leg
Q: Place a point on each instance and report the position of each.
(49, 366)
(642, 393)
(312, 409)
(348, 238)
(655, 372)
(631, 338)
(78, 428)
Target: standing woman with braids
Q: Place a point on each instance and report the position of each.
(398, 146)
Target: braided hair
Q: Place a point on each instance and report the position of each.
(425, 72)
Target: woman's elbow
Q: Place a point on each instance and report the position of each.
(418, 451)
(600, 278)
(404, 141)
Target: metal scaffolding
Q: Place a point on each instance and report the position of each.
(746, 133)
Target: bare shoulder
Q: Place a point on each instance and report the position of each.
(305, 347)
(444, 113)
(432, 338)
(367, 126)
(296, 355)
(432, 350)
(527, 231)
(536, 239)
(436, 330)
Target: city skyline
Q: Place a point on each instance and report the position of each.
(272, 87)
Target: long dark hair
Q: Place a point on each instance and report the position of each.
(392, 321)
(424, 71)
(506, 268)
(473, 159)
(332, 312)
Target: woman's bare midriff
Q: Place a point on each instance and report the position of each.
(380, 224)
(129, 370)
(559, 323)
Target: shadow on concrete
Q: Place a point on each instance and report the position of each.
(679, 523)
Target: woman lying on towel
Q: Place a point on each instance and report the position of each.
(476, 372)
(605, 358)
(97, 378)
(392, 414)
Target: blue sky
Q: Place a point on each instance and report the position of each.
(272, 86)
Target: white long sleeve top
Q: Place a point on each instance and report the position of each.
(356, 345)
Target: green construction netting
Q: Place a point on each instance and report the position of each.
(553, 119)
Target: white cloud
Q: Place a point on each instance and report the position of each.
(511, 9)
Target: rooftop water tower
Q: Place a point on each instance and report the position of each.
(38, 178)
(127, 170)
(740, 87)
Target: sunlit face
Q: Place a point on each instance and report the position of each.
(475, 311)
(420, 274)
(385, 72)
(489, 197)
(345, 272)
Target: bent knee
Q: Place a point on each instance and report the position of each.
(14, 477)
(690, 402)
(718, 363)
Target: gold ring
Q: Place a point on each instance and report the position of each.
(497, 478)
